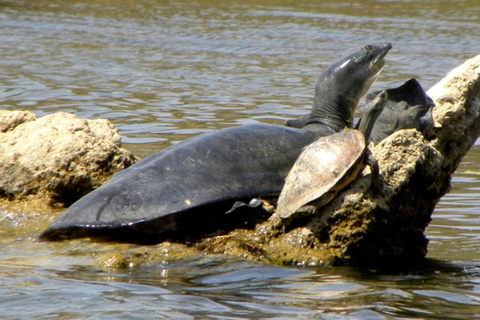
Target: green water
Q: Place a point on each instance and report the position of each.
(164, 71)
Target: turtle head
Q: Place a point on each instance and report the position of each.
(408, 106)
(342, 85)
(371, 112)
(363, 68)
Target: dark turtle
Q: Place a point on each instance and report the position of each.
(407, 107)
(331, 93)
(328, 165)
(187, 189)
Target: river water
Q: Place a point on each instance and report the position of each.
(164, 71)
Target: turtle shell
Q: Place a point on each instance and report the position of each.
(187, 188)
(322, 170)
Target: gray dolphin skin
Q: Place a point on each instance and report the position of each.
(187, 189)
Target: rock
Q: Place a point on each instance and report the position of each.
(60, 155)
(363, 228)
(457, 112)
(10, 119)
(58, 158)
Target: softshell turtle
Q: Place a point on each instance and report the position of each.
(328, 165)
(330, 93)
(407, 106)
(187, 189)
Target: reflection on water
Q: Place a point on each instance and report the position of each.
(164, 71)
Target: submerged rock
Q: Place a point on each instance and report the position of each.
(58, 158)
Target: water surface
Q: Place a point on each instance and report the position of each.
(164, 71)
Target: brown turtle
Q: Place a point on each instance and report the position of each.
(329, 164)
(188, 189)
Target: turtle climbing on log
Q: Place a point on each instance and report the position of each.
(187, 188)
(328, 165)
(333, 162)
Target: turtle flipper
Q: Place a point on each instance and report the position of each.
(376, 183)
